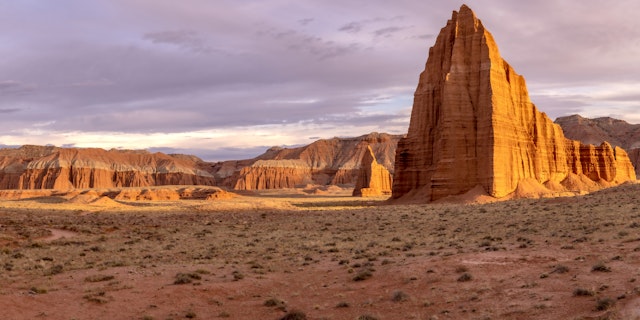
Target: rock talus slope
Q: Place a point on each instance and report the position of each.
(473, 124)
(373, 178)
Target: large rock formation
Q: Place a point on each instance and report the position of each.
(373, 179)
(596, 131)
(473, 124)
(33, 167)
(325, 162)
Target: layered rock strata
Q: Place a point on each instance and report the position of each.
(373, 179)
(325, 162)
(596, 131)
(32, 167)
(473, 124)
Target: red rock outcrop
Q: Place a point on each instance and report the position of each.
(325, 162)
(373, 179)
(473, 124)
(273, 174)
(32, 167)
(617, 132)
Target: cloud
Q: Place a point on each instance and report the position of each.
(185, 39)
(11, 87)
(388, 31)
(137, 74)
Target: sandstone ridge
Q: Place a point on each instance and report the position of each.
(333, 161)
(473, 124)
(34, 167)
(596, 131)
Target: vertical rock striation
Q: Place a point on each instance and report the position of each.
(473, 124)
(373, 178)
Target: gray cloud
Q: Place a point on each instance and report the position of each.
(186, 39)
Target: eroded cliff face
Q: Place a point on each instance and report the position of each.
(617, 132)
(325, 162)
(473, 124)
(32, 167)
(373, 179)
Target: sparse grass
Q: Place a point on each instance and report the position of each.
(98, 278)
(155, 240)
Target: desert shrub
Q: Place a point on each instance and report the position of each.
(367, 317)
(560, 269)
(184, 278)
(399, 296)
(600, 267)
(294, 315)
(276, 303)
(57, 269)
(342, 304)
(582, 292)
(37, 290)
(190, 315)
(604, 304)
(362, 275)
(237, 275)
(98, 278)
(465, 277)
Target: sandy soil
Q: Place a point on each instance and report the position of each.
(262, 256)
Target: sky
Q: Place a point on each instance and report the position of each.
(228, 79)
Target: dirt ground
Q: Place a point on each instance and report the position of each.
(327, 256)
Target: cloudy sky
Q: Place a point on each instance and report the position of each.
(226, 79)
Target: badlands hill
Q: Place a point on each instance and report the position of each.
(38, 167)
(474, 128)
(324, 162)
(595, 131)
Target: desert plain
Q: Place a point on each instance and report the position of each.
(320, 254)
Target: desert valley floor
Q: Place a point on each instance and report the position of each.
(330, 256)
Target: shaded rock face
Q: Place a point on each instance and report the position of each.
(473, 124)
(32, 167)
(373, 179)
(617, 132)
(325, 162)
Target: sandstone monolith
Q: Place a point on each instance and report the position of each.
(373, 178)
(473, 124)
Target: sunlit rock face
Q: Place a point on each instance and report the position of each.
(473, 124)
(35, 167)
(333, 161)
(373, 178)
(617, 132)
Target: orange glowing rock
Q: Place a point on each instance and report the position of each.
(473, 124)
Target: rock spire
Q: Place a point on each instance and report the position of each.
(473, 124)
